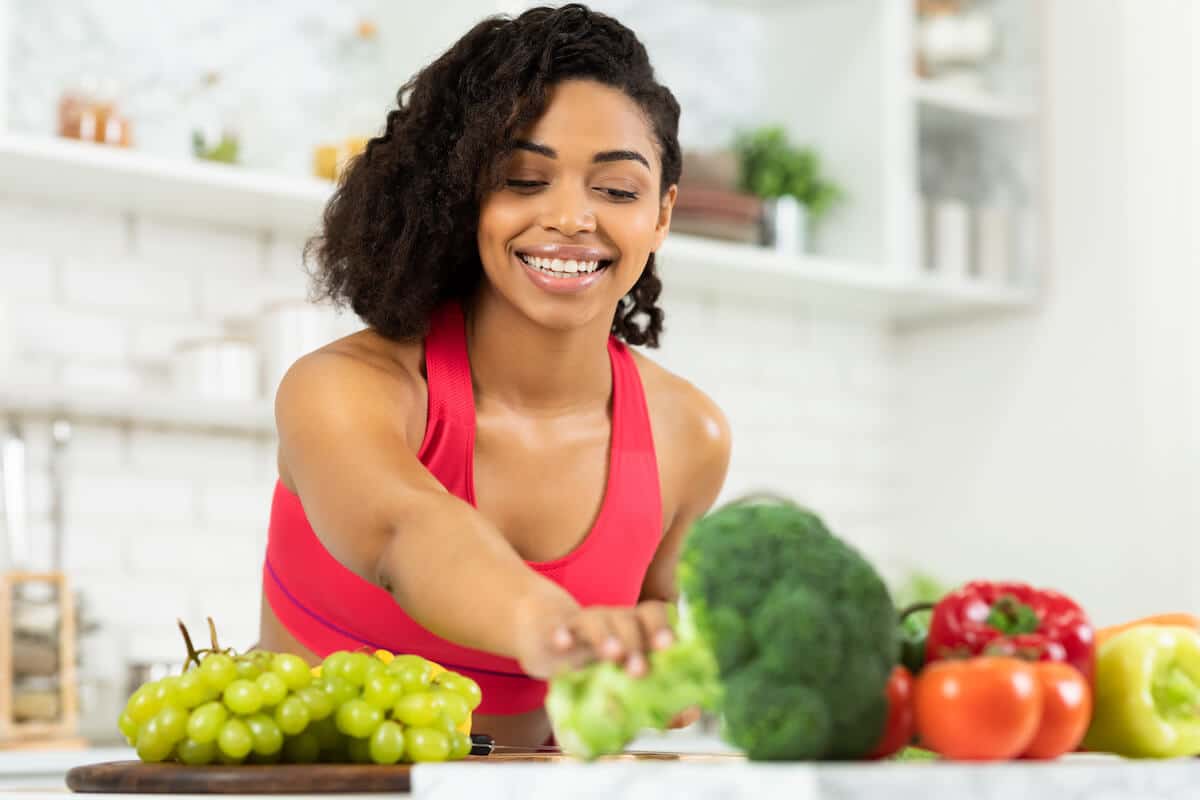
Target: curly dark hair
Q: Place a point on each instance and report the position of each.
(399, 233)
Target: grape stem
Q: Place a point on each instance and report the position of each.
(192, 655)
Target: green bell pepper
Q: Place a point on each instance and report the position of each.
(1147, 694)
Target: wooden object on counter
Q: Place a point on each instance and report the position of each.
(135, 777)
(24, 734)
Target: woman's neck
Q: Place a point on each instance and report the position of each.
(533, 369)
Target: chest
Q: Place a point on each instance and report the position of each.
(542, 482)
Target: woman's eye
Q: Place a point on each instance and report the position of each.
(524, 186)
(619, 194)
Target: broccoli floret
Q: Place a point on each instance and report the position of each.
(803, 626)
(599, 709)
(789, 633)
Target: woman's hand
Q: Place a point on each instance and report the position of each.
(621, 635)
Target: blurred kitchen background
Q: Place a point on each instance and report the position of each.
(935, 258)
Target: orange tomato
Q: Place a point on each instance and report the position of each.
(1180, 618)
(978, 709)
(1066, 710)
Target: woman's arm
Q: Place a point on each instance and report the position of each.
(381, 514)
(703, 433)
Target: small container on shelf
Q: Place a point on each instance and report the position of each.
(91, 112)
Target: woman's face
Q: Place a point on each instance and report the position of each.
(568, 233)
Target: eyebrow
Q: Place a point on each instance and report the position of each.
(602, 157)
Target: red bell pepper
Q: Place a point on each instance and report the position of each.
(1012, 619)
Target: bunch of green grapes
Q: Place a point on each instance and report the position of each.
(264, 708)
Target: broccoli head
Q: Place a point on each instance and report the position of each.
(787, 631)
(802, 628)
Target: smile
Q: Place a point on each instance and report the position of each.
(562, 267)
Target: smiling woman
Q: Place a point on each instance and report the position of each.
(489, 475)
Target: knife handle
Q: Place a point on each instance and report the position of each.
(482, 744)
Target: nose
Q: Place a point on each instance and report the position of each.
(568, 210)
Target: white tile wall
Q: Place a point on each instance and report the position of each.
(164, 524)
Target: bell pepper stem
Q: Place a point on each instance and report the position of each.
(1177, 695)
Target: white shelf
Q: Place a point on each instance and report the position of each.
(82, 172)
(162, 409)
(972, 103)
(110, 177)
(876, 290)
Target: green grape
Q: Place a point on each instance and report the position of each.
(318, 702)
(414, 672)
(235, 739)
(292, 715)
(129, 728)
(460, 746)
(358, 718)
(261, 657)
(382, 690)
(248, 669)
(243, 696)
(354, 668)
(461, 685)
(424, 744)
(205, 723)
(374, 667)
(226, 759)
(416, 710)
(143, 704)
(153, 744)
(218, 670)
(301, 749)
(339, 690)
(451, 704)
(359, 750)
(293, 669)
(272, 687)
(326, 732)
(172, 723)
(446, 725)
(168, 690)
(332, 665)
(268, 739)
(196, 754)
(387, 743)
(192, 690)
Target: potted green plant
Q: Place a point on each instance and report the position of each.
(789, 178)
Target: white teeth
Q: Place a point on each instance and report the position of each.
(560, 265)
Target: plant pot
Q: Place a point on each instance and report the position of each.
(785, 225)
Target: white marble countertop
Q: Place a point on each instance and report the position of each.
(1080, 777)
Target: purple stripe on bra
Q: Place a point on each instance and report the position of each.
(368, 643)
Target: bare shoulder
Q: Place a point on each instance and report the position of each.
(359, 377)
(691, 432)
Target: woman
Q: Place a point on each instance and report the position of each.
(488, 475)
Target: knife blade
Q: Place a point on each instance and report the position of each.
(483, 744)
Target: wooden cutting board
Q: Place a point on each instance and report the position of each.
(135, 777)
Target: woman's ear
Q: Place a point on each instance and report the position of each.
(664, 217)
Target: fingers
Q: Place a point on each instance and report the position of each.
(629, 643)
(656, 624)
(685, 718)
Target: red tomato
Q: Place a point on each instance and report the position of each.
(1066, 710)
(979, 709)
(898, 731)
